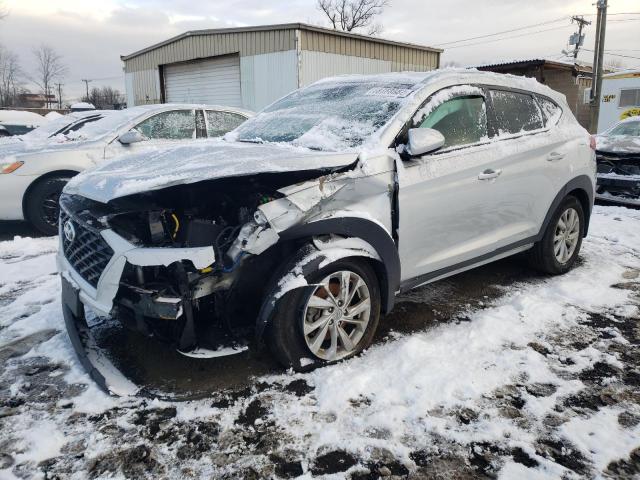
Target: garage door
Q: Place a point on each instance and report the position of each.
(213, 81)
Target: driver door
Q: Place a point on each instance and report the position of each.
(451, 200)
(163, 128)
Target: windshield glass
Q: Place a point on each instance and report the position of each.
(628, 129)
(329, 116)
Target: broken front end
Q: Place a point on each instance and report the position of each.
(618, 179)
(190, 265)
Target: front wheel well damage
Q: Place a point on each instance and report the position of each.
(304, 258)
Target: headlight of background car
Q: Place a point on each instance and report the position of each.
(8, 167)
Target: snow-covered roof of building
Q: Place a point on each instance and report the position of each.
(623, 74)
(534, 62)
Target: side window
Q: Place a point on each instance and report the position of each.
(629, 97)
(173, 125)
(222, 122)
(515, 112)
(461, 120)
(550, 111)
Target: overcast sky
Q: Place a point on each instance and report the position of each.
(92, 34)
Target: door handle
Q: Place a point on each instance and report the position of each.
(555, 156)
(489, 174)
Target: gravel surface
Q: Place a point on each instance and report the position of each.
(498, 372)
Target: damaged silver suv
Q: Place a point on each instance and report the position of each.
(300, 227)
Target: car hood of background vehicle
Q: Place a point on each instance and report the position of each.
(192, 163)
(618, 144)
(13, 148)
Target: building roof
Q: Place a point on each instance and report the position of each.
(284, 26)
(634, 73)
(535, 62)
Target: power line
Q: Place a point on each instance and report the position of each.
(608, 52)
(510, 37)
(501, 33)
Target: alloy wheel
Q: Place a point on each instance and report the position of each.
(336, 315)
(567, 233)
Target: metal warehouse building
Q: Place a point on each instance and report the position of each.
(253, 66)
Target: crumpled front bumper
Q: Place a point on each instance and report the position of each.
(615, 188)
(78, 293)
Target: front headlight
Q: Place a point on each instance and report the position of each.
(9, 167)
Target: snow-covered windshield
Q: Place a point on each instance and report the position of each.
(52, 127)
(333, 115)
(631, 129)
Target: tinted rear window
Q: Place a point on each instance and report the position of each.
(515, 112)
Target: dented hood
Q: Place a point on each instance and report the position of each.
(204, 160)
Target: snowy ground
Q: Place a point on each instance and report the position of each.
(516, 376)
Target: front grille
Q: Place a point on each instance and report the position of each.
(87, 253)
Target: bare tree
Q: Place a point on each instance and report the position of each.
(614, 64)
(4, 11)
(349, 15)
(49, 68)
(105, 98)
(10, 78)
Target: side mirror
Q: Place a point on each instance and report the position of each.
(424, 140)
(132, 136)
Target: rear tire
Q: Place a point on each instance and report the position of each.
(558, 250)
(299, 319)
(41, 207)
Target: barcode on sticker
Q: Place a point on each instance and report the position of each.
(388, 92)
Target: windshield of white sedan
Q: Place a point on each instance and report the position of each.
(328, 116)
(631, 129)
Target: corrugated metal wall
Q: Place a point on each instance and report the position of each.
(402, 57)
(269, 64)
(211, 45)
(265, 78)
(317, 65)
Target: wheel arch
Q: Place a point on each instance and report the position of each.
(386, 267)
(580, 187)
(41, 178)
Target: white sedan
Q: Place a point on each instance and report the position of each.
(35, 167)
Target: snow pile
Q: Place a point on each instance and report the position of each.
(507, 385)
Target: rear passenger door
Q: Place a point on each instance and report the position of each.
(531, 153)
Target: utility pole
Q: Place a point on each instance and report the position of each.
(59, 95)
(598, 59)
(579, 38)
(86, 82)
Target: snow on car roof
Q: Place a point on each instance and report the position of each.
(20, 117)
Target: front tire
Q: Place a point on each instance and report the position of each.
(337, 321)
(41, 207)
(558, 250)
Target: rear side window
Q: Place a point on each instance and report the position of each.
(550, 111)
(462, 121)
(515, 112)
(222, 122)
